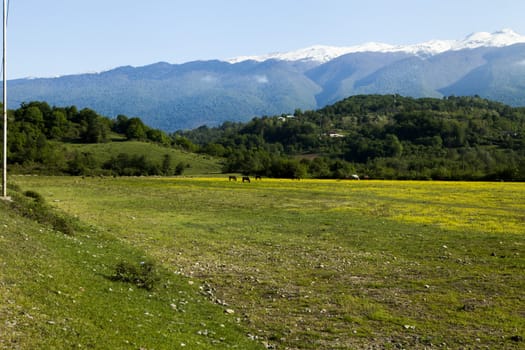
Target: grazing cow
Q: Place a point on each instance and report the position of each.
(232, 178)
(355, 177)
(245, 179)
(257, 177)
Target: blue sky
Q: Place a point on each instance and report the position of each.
(58, 37)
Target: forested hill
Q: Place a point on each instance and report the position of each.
(44, 139)
(375, 136)
(378, 136)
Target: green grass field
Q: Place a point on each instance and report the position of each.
(297, 264)
(102, 152)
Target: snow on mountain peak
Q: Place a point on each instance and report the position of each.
(323, 53)
(504, 37)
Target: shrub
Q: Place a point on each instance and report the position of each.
(33, 206)
(35, 195)
(143, 275)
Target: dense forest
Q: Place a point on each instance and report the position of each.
(377, 136)
(38, 134)
(374, 136)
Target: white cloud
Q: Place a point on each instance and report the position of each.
(261, 79)
(209, 79)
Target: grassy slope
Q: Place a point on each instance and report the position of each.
(55, 294)
(328, 264)
(199, 164)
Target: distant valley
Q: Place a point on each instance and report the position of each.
(184, 96)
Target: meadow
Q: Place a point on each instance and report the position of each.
(310, 264)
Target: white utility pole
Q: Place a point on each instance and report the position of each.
(4, 69)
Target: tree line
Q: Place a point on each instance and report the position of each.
(378, 136)
(375, 136)
(37, 133)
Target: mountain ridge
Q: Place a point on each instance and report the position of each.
(184, 96)
(325, 53)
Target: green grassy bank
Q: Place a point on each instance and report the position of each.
(301, 264)
(87, 289)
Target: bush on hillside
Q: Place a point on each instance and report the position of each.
(32, 205)
(143, 275)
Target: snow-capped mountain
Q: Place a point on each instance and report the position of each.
(504, 37)
(184, 96)
(322, 54)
